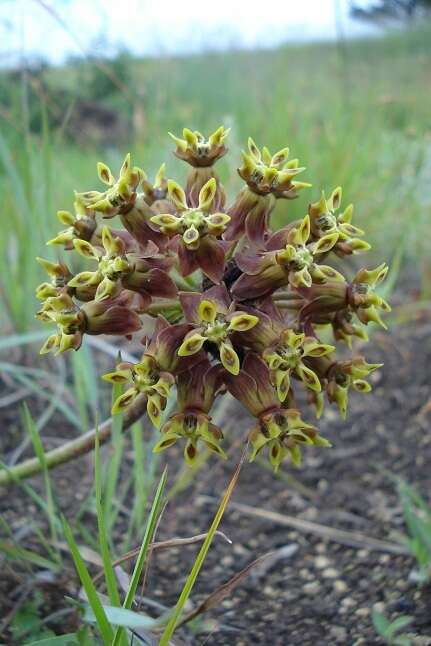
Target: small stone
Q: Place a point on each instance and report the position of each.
(330, 573)
(363, 554)
(362, 612)
(321, 562)
(340, 586)
(338, 632)
(379, 607)
(311, 588)
(348, 602)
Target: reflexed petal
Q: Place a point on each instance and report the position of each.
(310, 379)
(282, 382)
(85, 278)
(326, 243)
(207, 194)
(207, 311)
(210, 257)
(229, 358)
(361, 386)
(313, 348)
(118, 376)
(155, 406)
(106, 289)
(177, 195)
(167, 440)
(105, 174)
(86, 249)
(241, 322)
(191, 344)
(190, 452)
(124, 400)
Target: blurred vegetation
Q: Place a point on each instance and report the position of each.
(356, 113)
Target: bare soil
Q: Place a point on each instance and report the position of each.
(324, 592)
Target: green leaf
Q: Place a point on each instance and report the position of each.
(108, 568)
(381, 624)
(398, 624)
(122, 617)
(148, 537)
(70, 639)
(185, 593)
(40, 453)
(88, 585)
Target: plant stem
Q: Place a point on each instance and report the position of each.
(73, 449)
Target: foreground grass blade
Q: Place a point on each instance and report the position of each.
(191, 579)
(93, 598)
(148, 537)
(39, 450)
(110, 578)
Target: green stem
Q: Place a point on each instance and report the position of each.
(73, 449)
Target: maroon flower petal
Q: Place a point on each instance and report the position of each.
(190, 302)
(259, 285)
(210, 257)
(259, 371)
(115, 320)
(187, 260)
(256, 224)
(253, 264)
(244, 388)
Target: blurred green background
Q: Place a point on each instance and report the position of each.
(356, 113)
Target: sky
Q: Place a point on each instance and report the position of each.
(56, 29)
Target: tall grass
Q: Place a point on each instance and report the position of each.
(359, 117)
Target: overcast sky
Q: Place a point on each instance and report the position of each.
(28, 29)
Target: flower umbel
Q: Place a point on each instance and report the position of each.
(221, 303)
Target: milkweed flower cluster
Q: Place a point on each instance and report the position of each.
(221, 302)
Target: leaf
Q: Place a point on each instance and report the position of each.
(398, 624)
(70, 639)
(90, 590)
(381, 624)
(122, 617)
(108, 568)
(148, 536)
(191, 579)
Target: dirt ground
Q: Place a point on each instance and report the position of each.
(321, 591)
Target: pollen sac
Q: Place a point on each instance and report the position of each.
(220, 303)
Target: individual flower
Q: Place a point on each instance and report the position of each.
(116, 269)
(323, 220)
(293, 265)
(114, 316)
(286, 358)
(340, 376)
(198, 151)
(363, 298)
(279, 429)
(196, 231)
(59, 274)
(82, 225)
(215, 319)
(154, 374)
(121, 193)
(268, 177)
(196, 391)
(159, 189)
(202, 154)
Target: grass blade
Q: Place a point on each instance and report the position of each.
(110, 578)
(40, 453)
(148, 536)
(185, 593)
(93, 598)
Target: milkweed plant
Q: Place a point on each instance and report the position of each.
(219, 300)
